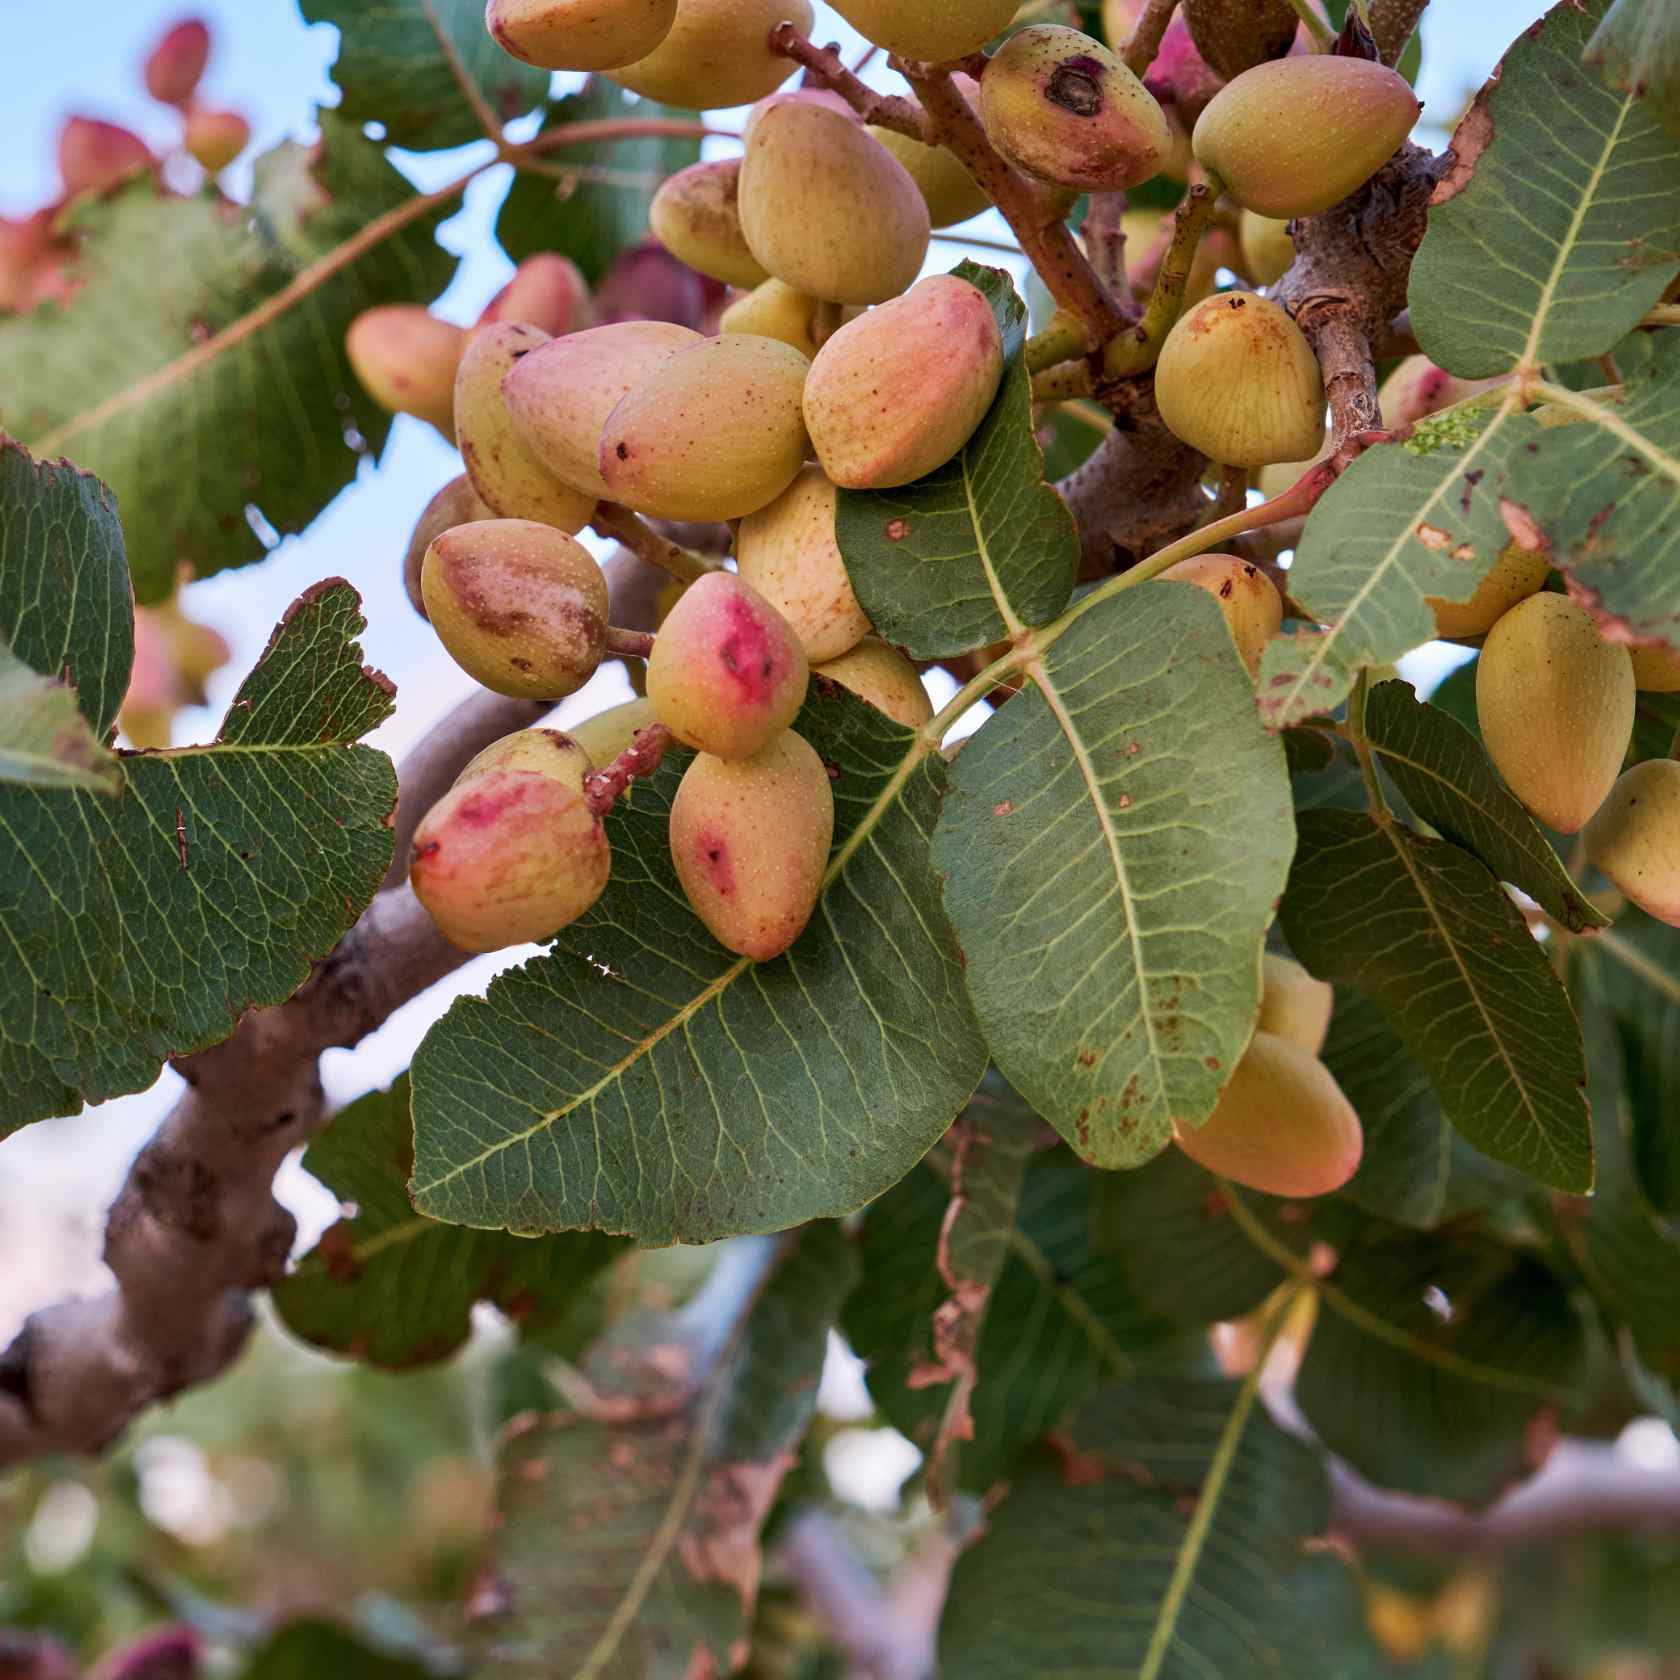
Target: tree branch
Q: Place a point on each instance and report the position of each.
(1042, 230)
(1139, 52)
(885, 110)
(195, 1226)
(634, 532)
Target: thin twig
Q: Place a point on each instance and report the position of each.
(1139, 52)
(1062, 339)
(627, 644)
(1324, 37)
(619, 523)
(828, 69)
(641, 758)
(1138, 350)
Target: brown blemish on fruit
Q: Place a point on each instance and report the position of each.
(1076, 87)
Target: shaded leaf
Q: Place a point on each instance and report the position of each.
(1060, 1318)
(1446, 778)
(1426, 932)
(65, 602)
(1563, 224)
(1397, 527)
(1113, 847)
(1094, 1565)
(629, 1537)
(641, 1079)
(44, 739)
(1195, 1253)
(143, 927)
(1606, 492)
(397, 64)
(1432, 1358)
(396, 1289)
(1629, 1258)
(1416, 1169)
(592, 220)
(961, 558)
(200, 367)
(1637, 50)
(312, 1650)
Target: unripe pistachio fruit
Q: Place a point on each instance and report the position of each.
(1062, 107)
(827, 209)
(176, 64)
(775, 310)
(727, 673)
(94, 156)
(695, 216)
(1293, 137)
(934, 30)
(1250, 603)
(1235, 35)
(504, 469)
(518, 605)
(899, 391)
(1238, 381)
(457, 503)
(580, 34)
(1555, 703)
(717, 53)
(951, 194)
(1417, 388)
(1656, 669)
(1513, 577)
(406, 359)
(877, 672)
(1281, 1126)
(1635, 838)
(1267, 249)
(213, 138)
(512, 853)
(1293, 1005)
(547, 291)
(789, 554)
(750, 840)
(604, 736)
(560, 394)
(713, 432)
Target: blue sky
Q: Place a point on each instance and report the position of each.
(273, 68)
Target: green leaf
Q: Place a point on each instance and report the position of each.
(44, 739)
(1189, 1250)
(1069, 436)
(1428, 935)
(1431, 1359)
(395, 1289)
(200, 368)
(1113, 847)
(593, 220)
(1629, 1258)
(1445, 776)
(1394, 529)
(629, 1535)
(1168, 1543)
(143, 927)
(312, 1650)
(1606, 492)
(401, 64)
(1059, 1318)
(641, 1079)
(1636, 975)
(1637, 50)
(1559, 223)
(1416, 1169)
(65, 603)
(980, 548)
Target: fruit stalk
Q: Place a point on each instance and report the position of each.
(627, 644)
(884, 110)
(1044, 235)
(621, 525)
(1324, 37)
(1139, 52)
(1136, 351)
(641, 758)
(1062, 340)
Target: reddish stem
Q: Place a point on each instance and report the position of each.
(641, 758)
(827, 69)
